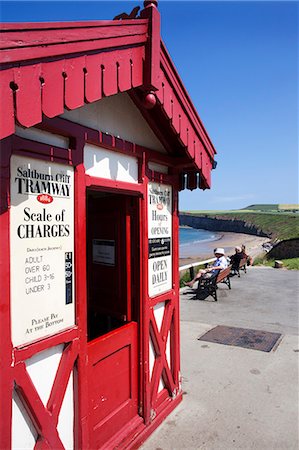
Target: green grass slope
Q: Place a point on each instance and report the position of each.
(279, 226)
(262, 207)
(272, 207)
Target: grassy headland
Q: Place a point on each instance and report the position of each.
(279, 224)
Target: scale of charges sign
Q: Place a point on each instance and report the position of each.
(42, 249)
(159, 238)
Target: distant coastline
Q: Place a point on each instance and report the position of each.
(278, 222)
(204, 250)
(274, 225)
(220, 224)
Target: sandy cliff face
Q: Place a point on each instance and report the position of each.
(218, 224)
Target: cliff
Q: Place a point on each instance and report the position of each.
(285, 249)
(219, 224)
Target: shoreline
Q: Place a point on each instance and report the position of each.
(200, 251)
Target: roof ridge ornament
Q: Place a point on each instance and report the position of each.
(148, 3)
(125, 16)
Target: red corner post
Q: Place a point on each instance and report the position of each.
(6, 371)
(152, 55)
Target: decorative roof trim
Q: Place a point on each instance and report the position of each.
(28, 91)
(26, 42)
(179, 92)
(65, 65)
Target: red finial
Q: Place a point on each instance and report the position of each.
(148, 3)
(150, 100)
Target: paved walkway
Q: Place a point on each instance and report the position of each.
(237, 398)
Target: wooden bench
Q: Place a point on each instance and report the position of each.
(242, 266)
(208, 286)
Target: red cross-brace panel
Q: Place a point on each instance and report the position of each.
(45, 418)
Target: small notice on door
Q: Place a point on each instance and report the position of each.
(103, 252)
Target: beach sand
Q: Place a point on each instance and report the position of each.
(204, 250)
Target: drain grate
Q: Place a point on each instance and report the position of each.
(242, 337)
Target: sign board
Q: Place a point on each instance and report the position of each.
(159, 238)
(42, 249)
(103, 252)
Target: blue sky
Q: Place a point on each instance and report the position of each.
(238, 61)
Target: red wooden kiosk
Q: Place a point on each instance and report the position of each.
(98, 136)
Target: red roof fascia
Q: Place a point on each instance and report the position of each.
(177, 103)
(46, 67)
(25, 42)
(49, 66)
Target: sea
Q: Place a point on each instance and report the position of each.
(191, 237)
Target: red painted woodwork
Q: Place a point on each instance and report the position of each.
(112, 304)
(153, 405)
(175, 326)
(152, 57)
(7, 119)
(74, 82)
(53, 81)
(28, 93)
(44, 418)
(93, 78)
(206, 167)
(48, 87)
(6, 378)
(45, 69)
(113, 393)
(126, 54)
(20, 42)
(171, 76)
(40, 150)
(27, 351)
(159, 340)
(81, 379)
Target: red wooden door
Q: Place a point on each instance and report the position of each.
(112, 319)
(113, 383)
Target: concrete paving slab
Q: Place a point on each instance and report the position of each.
(236, 398)
(264, 298)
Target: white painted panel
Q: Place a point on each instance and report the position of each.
(152, 357)
(24, 434)
(66, 417)
(159, 309)
(158, 167)
(110, 165)
(42, 369)
(117, 115)
(161, 385)
(42, 136)
(168, 350)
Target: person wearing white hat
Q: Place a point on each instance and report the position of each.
(219, 264)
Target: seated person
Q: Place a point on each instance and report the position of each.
(219, 264)
(236, 258)
(248, 258)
